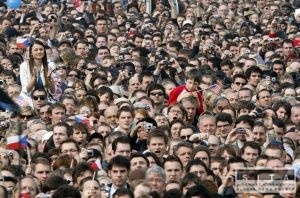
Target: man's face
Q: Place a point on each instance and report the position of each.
(134, 84)
(82, 50)
(223, 128)
(226, 70)
(173, 170)
(288, 49)
(101, 26)
(278, 68)
(234, 167)
(184, 154)
(70, 106)
(259, 134)
(138, 163)
(156, 182)
(41, 172)
(110, 115)
(39, 98)
(146, 81)
(57, 115)
(102, 53)
(138, 41)
(190, 109)
(207, 125)
(238, 84)
(254, 79)
(233, 98)
(250, 154)
(125, 120)
(295, 115)
(69, 148)
(265, 99)
(28, 186)
(101, 41)
(123, 150)
(203, 156)
(157, 96)
(44, 113)
(59, 135)
(199, 170)
(245, 95)
(157, 146)
(118, 176)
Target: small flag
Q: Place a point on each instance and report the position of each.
(84, 120)
(215, 88)
(96, 165)
(16, 142)
(23, 42)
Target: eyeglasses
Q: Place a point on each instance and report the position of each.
(65, 19)
(61, 68)
(91, 69)
(185, 137)
(39, 97)
(73, 75)
(25, 116)
(157, 94)
(239, 83)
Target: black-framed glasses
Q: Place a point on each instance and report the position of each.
(239, 83)
(185, 137)
(41, 97)
(61, 68)
(157, 94)
(91, 69)
(25, 116)
(73, 75)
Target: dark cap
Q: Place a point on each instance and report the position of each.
(149, 120)
(65, 42)
(94, 136)
(286, 4)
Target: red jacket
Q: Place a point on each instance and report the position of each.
(177, 91)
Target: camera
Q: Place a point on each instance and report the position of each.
(204, 143)
(259, 113)
(240, 130)
(90, 153)
(165, 15)
(148, 126)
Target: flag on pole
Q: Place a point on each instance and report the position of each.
(23, 42)
(95, 166)
(215, 88)
(16, 142)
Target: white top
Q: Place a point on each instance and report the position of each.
(25, 75)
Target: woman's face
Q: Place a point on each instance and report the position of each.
(37, 52)
(120, 20)
(105, 98)
(254, 19)
(175, 130)
(85, 110)
(138, 117)
(151, 161)
(72, 76)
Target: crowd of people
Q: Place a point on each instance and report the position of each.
(148, 98)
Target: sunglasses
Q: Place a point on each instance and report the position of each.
(73, 75)
(239, 83)
(39, 97)
(157, 94)
(61, 68)
(64, 19)
(91, 69)
(25, 116)
(184, 137)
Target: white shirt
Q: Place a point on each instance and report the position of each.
(25, 75)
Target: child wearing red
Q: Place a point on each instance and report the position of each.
(193, 79)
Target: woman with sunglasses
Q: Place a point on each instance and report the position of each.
(36, 73)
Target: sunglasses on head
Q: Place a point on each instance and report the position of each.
(39, 97)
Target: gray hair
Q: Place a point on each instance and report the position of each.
(156, 170)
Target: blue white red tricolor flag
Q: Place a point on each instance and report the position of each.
(16, 142)
(23, 42)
